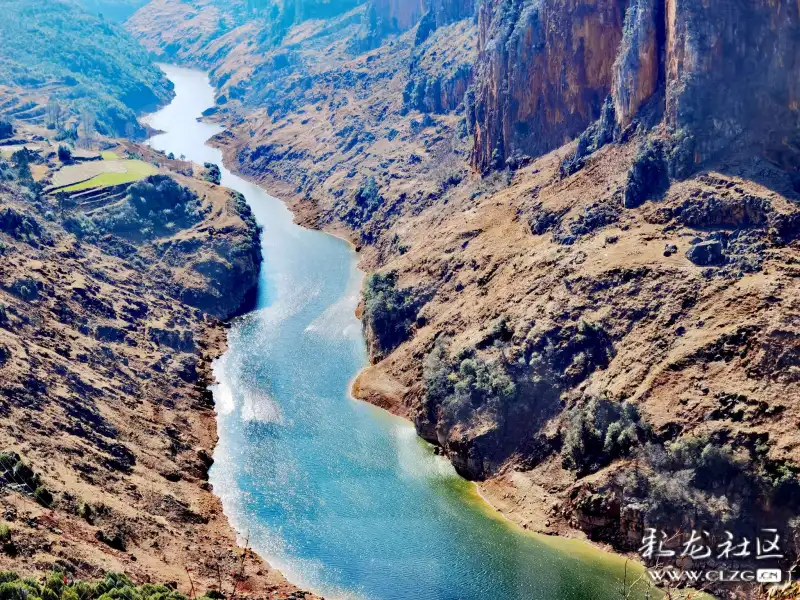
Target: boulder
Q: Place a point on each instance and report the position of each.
(707, 254)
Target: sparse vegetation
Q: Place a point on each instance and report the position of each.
(366, 201)
(565, 356)
(599, 432)
(57, 585)
(698, 481)
(22, 227)
(466, 385)
(154, 206)
(389, 312)
(18, 474)
(80, 225)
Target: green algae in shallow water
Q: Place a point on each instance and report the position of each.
(342, 497)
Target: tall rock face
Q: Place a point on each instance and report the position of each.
(398, 15)
(544, 69)
(733, 70)
(722, 71)
(449, 11)
(639, 68)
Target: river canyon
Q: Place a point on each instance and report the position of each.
(344, 498)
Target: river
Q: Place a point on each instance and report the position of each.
(339, 495)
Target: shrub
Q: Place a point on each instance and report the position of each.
(85, 511)
(22, 473)
(465, 385)
(6, 171)
(21, 160)
(389, 312)
(697, 482)
(111, 587)
(213, 173)
(599, 432)
(6, 129)
(80, 225)
(565, 356)
(5, 533)
(43, 496)
(8, 460)
(67, 135)
(785, 486)
(55, 583)
(64, 153)
(22, 227)
(366, 201)
(151, 205)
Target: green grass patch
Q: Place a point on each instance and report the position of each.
(135, 170)
(109, 155)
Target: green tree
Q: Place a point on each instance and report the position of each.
(64, 153)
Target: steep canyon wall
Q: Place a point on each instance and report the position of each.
(721, 70)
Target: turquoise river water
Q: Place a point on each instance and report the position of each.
(339, 495)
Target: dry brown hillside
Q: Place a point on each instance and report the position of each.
(107, 330)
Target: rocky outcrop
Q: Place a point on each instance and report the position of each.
(543, 71)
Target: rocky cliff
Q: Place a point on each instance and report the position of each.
(542, 74)
(732, 74)
(397, 15)
(719, 72)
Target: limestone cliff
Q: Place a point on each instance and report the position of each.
(733, 71)
(448, 11)
(719, 71)
(543, 71)
(638, 70)
(398, 15)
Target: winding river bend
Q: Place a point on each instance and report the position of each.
(339, 495)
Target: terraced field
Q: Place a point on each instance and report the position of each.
(99, 174)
